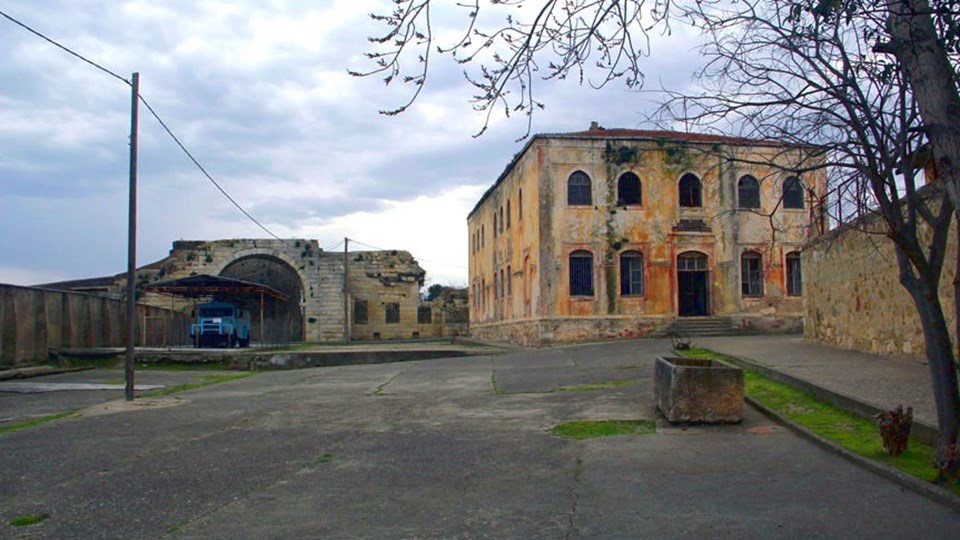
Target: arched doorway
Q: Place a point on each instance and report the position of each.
(282, 320)
(693, 284)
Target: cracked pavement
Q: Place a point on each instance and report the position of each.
(427, 449)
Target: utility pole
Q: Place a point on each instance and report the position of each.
(132, 242)
(346, 300)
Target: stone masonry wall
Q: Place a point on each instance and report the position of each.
(380, 278)
(854, 298)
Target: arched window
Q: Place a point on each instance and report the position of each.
(483, 235)
(690, 191)
(494, 223)
(629, 190)
(751, 273)
(631, 273)
(520, 205)
(578, 190)
(792, 193)
(508, 213)
(748, 192)
(794, 274)
(501, 219)
(509, 282)
(581, 273)
(501, 284)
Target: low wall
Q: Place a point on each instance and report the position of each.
(854, 299)
(33, 321)
(541, 332)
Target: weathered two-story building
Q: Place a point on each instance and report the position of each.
(618, 233)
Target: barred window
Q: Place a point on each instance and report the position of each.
(751, 274)
(581, 273)
(424, 315)
(792, 193)
(692, 261)
(794, 274)
(392, 313)
(748, 192)
(689, 192)
(631, 273)
(359, 311)
(628, 189)
(578, 190)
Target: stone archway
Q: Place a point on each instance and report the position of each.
(283, 320)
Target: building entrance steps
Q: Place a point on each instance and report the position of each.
(703, 326)
(856, 381)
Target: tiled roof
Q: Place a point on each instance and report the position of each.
(619, 133)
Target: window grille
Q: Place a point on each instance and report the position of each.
(751, 274)
(359, 312)
(581, 273)
(392, 313)
(748, 192)
(631, 273)
(794, 274)
(691, 261)
(690, 189)
(578, 190)
(628, 189)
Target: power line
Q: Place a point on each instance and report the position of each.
(152, 112)
(67, 50)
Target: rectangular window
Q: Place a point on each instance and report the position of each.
(424, 315)
(794, 278)
(751, 274)
(359, 311)
(581, 274)
(631, 274)
(393, 313)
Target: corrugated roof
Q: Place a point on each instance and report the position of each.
(597, 132)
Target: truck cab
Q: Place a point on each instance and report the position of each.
(220, 324)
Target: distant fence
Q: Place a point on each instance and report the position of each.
(33, 321)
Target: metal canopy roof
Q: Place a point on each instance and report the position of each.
(205, 284)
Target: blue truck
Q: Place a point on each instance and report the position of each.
(220, 324)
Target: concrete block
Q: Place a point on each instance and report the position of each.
(698, 391)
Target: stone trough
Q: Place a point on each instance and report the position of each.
(690, 390)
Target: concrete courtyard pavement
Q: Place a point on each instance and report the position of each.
(881, 381)
(455, 448)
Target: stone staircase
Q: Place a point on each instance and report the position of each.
(703, 326)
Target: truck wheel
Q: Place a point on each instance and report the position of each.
(232, 341)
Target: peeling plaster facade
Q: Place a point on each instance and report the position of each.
(524, 229)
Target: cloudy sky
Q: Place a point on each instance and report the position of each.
(259, 93)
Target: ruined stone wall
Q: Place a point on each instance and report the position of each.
(854, 298)
(381, 279)
(451, 313)
(34, 321)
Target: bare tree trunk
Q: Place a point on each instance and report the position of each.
(938, 346)
(934, 85)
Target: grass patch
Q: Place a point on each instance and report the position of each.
(207, 381)
(183, 366)
(858, 435)
(325, 458)
(597, 386)
(7, 428)
(493, 382)
(28, 519)
(588, 429)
